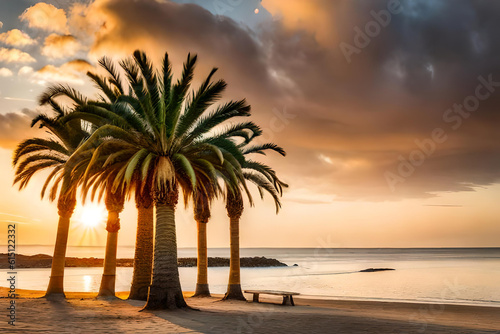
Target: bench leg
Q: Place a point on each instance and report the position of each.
(255, 297)
(285, 300)
(291, 300)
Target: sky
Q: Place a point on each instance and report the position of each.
(388, 111)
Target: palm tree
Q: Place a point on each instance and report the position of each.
(98, 113)
(36, 154)
(167, 144)
(143, 255)
(114, 204)
(201, 211)
(201, 205)
(265, 178)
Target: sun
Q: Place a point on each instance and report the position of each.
(92, 215)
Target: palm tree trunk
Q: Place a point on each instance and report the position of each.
(107, 288)
(202, 289)
(143, 257)
(234, 208)
(165, 291)
(114, 204)
(66, 205)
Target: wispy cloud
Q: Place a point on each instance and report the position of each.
(445, 205)
(13, 222)
(307, 200)
(18, 99)
(17, 216)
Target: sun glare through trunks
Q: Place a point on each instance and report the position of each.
(92, 215)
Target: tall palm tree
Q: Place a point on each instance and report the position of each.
(114, 204)
(167, 144)
(107, 111)
(201, 205)
(265, 178)
(143, 255)
(201, 210)
(37, 154)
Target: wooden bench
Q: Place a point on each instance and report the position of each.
(287, 296)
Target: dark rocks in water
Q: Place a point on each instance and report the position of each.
(372, 270)
(247, 262)
(45, 261)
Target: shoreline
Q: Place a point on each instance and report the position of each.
(313, 315)
(28, 293)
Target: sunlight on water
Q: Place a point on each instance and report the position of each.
(87, 280)
(439, 276)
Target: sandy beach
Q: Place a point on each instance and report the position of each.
(82, 313)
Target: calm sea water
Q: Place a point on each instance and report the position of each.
(460, 275)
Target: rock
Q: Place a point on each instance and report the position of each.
(372, 270)
(246, 262)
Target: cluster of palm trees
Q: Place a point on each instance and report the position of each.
(148, 136)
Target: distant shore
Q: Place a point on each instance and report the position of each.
(45, 261)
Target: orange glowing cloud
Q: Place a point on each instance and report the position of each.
(46, 17)
(16, 37)
(60, 46)
(304, 14)
(15, 56)
(70, 72)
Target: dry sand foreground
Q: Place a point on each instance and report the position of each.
(81, 313)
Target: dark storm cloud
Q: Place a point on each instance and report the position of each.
(354, 121)
(15, 127)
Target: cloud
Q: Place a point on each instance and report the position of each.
(60, 46)
(1, 24)
(445, 205)
(5, 72)
(17, 38)
(25, 70)
(71, 72)
(15, 127)
(219, 40)
(315, 16)
(351, 122)
(46, 17)
(82, 22)
(15, 56)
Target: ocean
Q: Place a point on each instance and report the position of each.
(469, 276)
